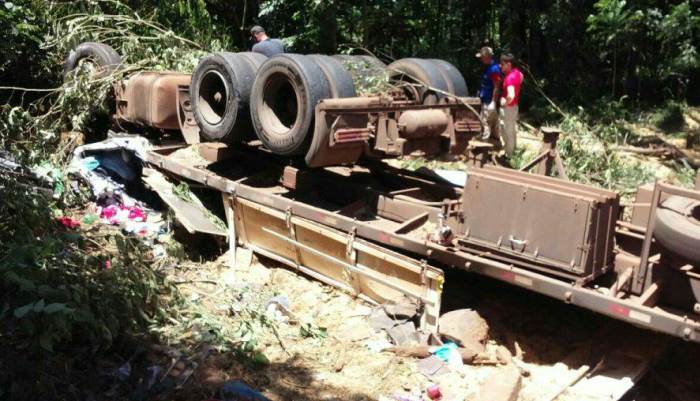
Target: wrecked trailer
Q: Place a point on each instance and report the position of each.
(378, 231)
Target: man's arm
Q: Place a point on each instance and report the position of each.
(510, 95)
(496, 79)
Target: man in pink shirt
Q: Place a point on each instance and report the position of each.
(509, 101)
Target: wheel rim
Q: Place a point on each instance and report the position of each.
(213, 97)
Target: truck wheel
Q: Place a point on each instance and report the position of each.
(454, 79)
(285, 93)
(677, 226)
(104, 57)
(255, 59)
(338, 77)
(414, 71)
(220, 93)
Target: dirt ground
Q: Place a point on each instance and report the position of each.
(343, 363)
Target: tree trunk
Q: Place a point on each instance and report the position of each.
(328, 29)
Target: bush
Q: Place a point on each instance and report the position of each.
(62, 286)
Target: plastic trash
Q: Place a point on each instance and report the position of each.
(277, 308)
(136, 214)
(237, 391)
(69, 222)
(434, 392)
(449, 353)
(408, 397)
(109, 212)
(90, 163)
(443, 352)
(89, 219)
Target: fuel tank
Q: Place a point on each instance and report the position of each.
(422, 123)
(149, 98)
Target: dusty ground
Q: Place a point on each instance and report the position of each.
(341, 366)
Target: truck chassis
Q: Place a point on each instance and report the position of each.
(394, 212)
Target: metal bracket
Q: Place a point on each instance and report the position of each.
(349, 248)
(519, 243)
(288, 218)
(424, 272)
(292, 233)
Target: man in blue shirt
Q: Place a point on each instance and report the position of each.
(489, 91)
(264, 44)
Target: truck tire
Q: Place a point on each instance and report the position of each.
(454, 79)
(220, 93)
(677, 226)
(103, 56)
(285, 93)
(255, 59)
(338, 77)
(413, 71)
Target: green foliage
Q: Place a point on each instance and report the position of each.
(589, 158)
(203, 320)
(367, 79)
(33, 131)
(679, 32)
(59, 286)
(669, 117)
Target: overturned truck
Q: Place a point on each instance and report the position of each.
(302, 183)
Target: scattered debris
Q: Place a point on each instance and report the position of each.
(501, 385)
(465, 327)
(449, 353)
(68, 222)
(188, 209)
(433, 392)
(380, 320)
(404, 333)
(118, 156)
(432, 366)
(404, 308)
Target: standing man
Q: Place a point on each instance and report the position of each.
(489, 91)
(509, 102)
(264, 44)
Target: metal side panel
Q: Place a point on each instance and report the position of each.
(192, 214)
(669, 321)
(524, 220)
(339, 259)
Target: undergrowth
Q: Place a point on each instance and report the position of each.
(61, 285)
(67, 288)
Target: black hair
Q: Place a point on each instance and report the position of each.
(507, 57)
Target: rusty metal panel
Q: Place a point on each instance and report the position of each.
(562, 229)
(150, 98)
(606, 202)
(185, 115)
(366, 270)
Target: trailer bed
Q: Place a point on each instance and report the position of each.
(390, 212)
